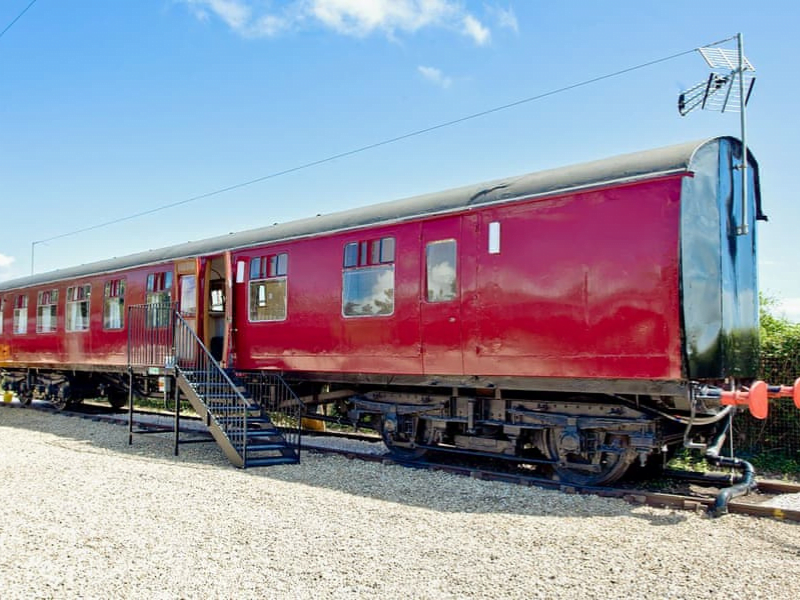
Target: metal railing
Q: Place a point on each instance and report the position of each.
(223, 400)
(150, 334)
(159, 337)
(279, 402)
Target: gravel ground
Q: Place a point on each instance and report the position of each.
(84, 515)
(785, 501)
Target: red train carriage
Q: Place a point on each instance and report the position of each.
(580, 319)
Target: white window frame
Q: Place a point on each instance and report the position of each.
(265, 282)
(114, 295)
(74, 307)
(367, 257)
(52, 310)
(159, 293)
(20, 321)
(349, 275)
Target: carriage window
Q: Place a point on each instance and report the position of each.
(159, 292)
(2, 313)
(78, 307)
(114, 304)
(217, 296)
(368, 278)
(274, 265)
(387, 250)
(46, 309)
(268, 284)
(370, 252)
(351, 255)
(159, 286)
(255, 267)
(21, 314)
(188, 294)
(268, 300)
(442, 282)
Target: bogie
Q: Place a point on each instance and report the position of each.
(582, 440)
(400, 436)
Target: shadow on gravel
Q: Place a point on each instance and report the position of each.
(430, 490)
(152, 446)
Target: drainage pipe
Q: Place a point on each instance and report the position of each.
(746, 483)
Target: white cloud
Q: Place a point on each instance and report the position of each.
(434, 75)
(505, 18)
(347, 17)
(268, 26)
(235, 13)
(474, 29)
(361, 18)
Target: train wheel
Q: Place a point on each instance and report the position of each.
(117, 399)
(25, 395)
(593, 458)
(398, 442)
(61, 399)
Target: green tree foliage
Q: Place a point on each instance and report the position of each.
(780, 344)
(774, 444)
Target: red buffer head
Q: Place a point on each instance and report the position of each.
(796, 392)
(756, 399)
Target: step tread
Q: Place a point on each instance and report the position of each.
(263, 447)
(229, 408)
(265, 462)
(250, 420)
(263, 433)
(215, 384)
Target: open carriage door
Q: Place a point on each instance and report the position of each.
(217, 310)
(228, 355)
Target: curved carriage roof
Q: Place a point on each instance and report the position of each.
(619, 169)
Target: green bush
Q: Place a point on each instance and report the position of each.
(773, 445)
(780, 344)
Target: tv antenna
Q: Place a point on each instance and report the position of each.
(726, 89)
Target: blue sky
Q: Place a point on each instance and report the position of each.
(110, 108)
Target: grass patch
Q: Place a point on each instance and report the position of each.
(767, 465)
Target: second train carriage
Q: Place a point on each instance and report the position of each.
(573, 318)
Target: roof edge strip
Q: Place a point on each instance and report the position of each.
(679, 163)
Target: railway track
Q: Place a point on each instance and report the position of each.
(697, 501)
(678, 490)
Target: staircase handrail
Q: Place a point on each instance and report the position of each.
(179, 320)
(211, 358)
(299, 403)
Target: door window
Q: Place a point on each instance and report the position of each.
(188, 285)
(442, 278)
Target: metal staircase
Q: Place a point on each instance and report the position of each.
(248, 430)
